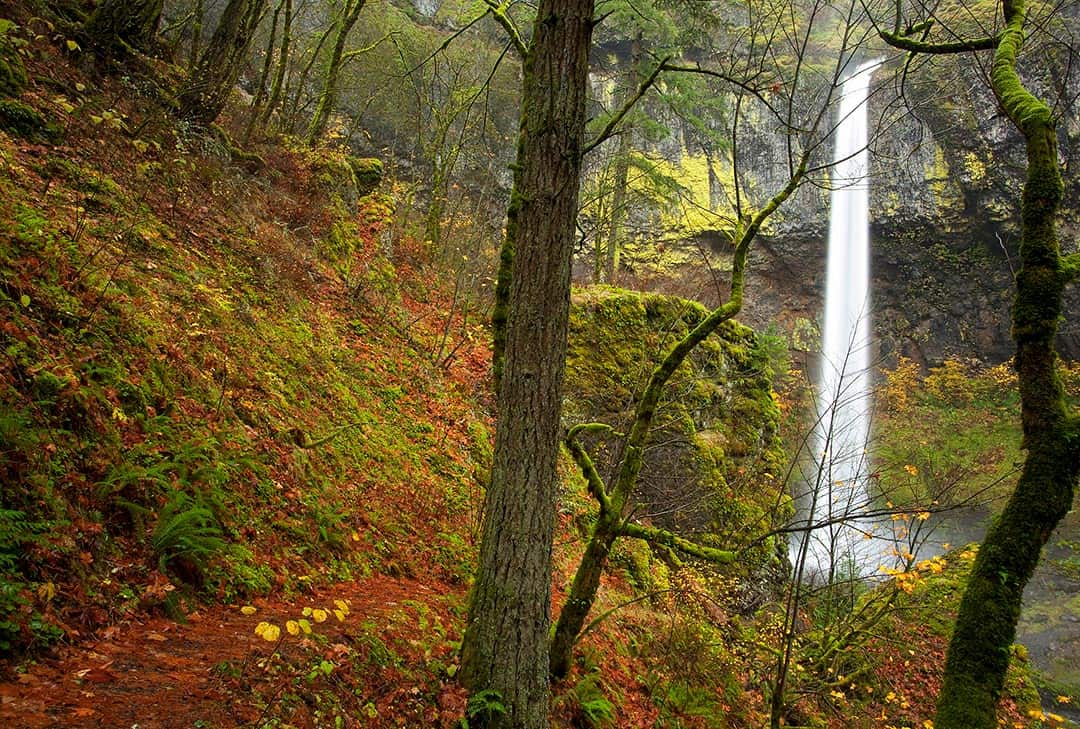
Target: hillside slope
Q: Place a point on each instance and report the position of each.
(243, 437)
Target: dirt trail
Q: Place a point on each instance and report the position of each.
(157, 673)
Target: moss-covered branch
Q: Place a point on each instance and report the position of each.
(585, 462)
(674, 541)
(611, 525)
(498, 12)
(905, 42)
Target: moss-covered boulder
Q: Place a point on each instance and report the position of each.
(368, 172)
(711, 460)
(12, 71)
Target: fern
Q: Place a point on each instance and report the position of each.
(187, 536)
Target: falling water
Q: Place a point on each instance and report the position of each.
(838, 484)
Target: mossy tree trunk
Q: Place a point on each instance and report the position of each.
(344, 25)
(504, 649)
(207, 88)
(978, 654)
(118, 27)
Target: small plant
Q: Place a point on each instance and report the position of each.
(589, 704)
(186, 538)
(483, 706)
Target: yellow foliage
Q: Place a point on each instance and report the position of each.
(900, 383)
(247, 610)
(268, 631)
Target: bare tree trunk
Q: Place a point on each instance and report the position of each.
(282, 66)
(327, 101)
(204, 94)
(264, 75)
(505, 646)
(622, 169)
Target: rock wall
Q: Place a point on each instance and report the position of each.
(946, 173)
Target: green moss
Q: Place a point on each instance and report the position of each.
(12, 71)
(715, 432)
(368, 172)
(23, 121)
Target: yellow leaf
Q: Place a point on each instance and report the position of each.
(261, 628)
(319, 615)
(339, 615)
(306, 612)
(912, 470)
(305, 626)
(72, 45)
(1063, 699)
(46, 592)
(293, 627)
(342, 606)
(271, 633)
(248, 610)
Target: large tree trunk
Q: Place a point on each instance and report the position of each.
(978, 655)
(204, 94)
(505, 645)
(118, 27)
(328, 100)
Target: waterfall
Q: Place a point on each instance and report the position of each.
(837, 484)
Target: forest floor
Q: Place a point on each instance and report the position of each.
(211, 669)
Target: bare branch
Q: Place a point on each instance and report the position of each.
(609, 128)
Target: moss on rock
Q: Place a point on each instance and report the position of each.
(367, 173)
(20, 120)
(715, 441)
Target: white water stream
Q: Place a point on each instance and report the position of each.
(837, 483)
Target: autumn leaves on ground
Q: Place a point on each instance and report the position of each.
(245, 422)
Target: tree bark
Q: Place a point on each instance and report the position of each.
(328, 100)
(282, 66)
(978, 655)
(505, 645)
(206, 90)
(264, 75)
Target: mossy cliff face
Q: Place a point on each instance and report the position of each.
(945, 196)
(711, 461)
